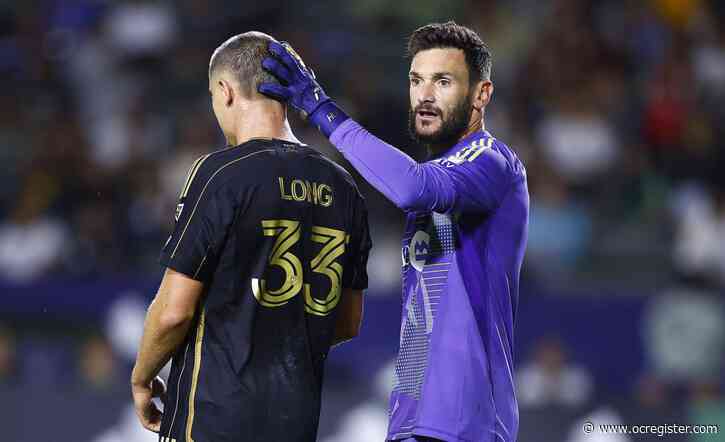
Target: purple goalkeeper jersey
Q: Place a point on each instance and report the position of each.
(465, 236)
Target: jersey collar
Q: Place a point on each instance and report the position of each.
(462, 144)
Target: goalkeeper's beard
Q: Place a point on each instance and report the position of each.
(451, 130)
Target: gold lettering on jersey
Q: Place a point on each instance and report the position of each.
(325, 193)
(299, 191)
(315, 194)
(281, 190)
(319, 194)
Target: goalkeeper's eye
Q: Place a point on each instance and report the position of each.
(444, 82)
(414, 81)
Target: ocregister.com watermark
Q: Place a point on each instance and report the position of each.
(660, 430)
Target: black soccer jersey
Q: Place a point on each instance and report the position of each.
(274, 230)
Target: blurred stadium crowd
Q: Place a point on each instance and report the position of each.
(615, 106)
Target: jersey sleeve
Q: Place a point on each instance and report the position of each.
(473, 179)
(203, 215)
(355, 274)
(477, 179)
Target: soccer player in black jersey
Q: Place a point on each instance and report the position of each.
(265, 271)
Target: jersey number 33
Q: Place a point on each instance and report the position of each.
(287, 234)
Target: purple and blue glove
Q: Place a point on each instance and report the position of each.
(299, 88)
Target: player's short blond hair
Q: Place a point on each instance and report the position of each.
(242, 56)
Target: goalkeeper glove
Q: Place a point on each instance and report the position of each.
(299, 88)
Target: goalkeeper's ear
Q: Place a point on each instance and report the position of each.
(482, 93)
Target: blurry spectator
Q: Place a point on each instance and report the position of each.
(646, 36)
(8, 363)
(549, 379)
(700, 235)
(709, 65)
(97, 365)
(31, 241)
(578, 143)
(121, 138)
(667, 110)
(684, 331)
(124, 324)
(196, 137)
(139, 28)
(559, 228)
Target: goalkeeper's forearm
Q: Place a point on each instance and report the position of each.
(408, 184)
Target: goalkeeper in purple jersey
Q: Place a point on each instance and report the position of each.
(466, 227)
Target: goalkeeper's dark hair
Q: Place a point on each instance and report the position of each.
(453, 35)
(242, 55)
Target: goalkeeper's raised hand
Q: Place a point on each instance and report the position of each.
(299, 88)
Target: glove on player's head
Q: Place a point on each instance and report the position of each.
(299, 89)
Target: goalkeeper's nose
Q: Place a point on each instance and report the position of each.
(426, 93)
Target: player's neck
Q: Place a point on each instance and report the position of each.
(261, 121)
(280, 133)
(477, 125)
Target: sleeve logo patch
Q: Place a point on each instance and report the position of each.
(179, 208)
